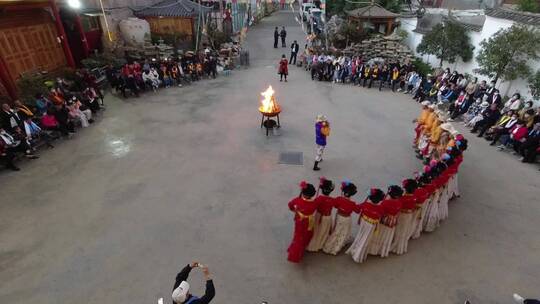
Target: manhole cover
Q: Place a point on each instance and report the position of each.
(291, 158)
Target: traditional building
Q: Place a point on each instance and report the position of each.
(174, 17)
(374, 16)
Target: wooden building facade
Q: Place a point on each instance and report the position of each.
(172, 26)
(174, 17)
(28, 42)
(32, 39)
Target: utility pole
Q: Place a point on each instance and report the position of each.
(198, 28)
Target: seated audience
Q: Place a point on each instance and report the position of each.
(9, 119)
(22, 110)
(529, 147)
(489, 117)
(65, 122)
(10, 145)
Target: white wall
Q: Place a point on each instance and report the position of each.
(491, 26)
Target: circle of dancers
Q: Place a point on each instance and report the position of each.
(387, 219)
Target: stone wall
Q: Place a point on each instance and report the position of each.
(387, 48)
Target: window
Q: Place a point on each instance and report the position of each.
(90, 23)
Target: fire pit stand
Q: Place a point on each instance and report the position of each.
(270, 123)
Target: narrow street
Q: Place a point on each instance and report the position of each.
(187, 174)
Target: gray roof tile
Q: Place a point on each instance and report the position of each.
(373, 11)
(521, 17)
(172, 8)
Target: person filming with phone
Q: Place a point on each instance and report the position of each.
(181, 293)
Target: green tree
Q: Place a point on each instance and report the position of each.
(338, 7)
(529, 6)
(447, 41)
(534, 85)
(391, 5)
(422, 67)
(506, 53)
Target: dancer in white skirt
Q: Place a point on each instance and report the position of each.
(432, 216)
(423, 195)
(341, 230)
(444, 198)
(370, 215)
(323, 219)
(381, 242)
(456, 154)
(406, 221)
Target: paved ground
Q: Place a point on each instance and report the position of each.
(111, 215)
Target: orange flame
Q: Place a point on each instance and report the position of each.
(269, 104)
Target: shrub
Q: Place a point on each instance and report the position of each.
(402, 34)
(422, 67)
(29, 86)
(101, 60)
(529, 6)
(534, 85)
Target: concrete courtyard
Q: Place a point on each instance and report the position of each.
(187, 174)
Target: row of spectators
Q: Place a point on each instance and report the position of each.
(511, 124)
(23, 128)
(70, 104)
(135, 77)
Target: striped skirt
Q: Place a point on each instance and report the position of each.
(405, 224)
(453, 188)
(443, 203)
(359, 248)
(339, 236)
(419, 221)
(323, 225)
(381, 241)
(432, 215)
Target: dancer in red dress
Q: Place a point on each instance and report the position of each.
(323, 218)
(341, 230)
(304, 219)
(406, 220)
(423, 196)
(381, 242)
(371, 213)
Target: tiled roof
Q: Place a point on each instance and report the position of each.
(521, 17)
(373, 11)
(428, 21)
(172, 8)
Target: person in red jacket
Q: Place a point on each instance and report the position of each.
(283, 69)
(304, 209)
(405, 221)
(517, 135)
(370, 215)
(323, 219)
(341, 231)
(381, 241)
